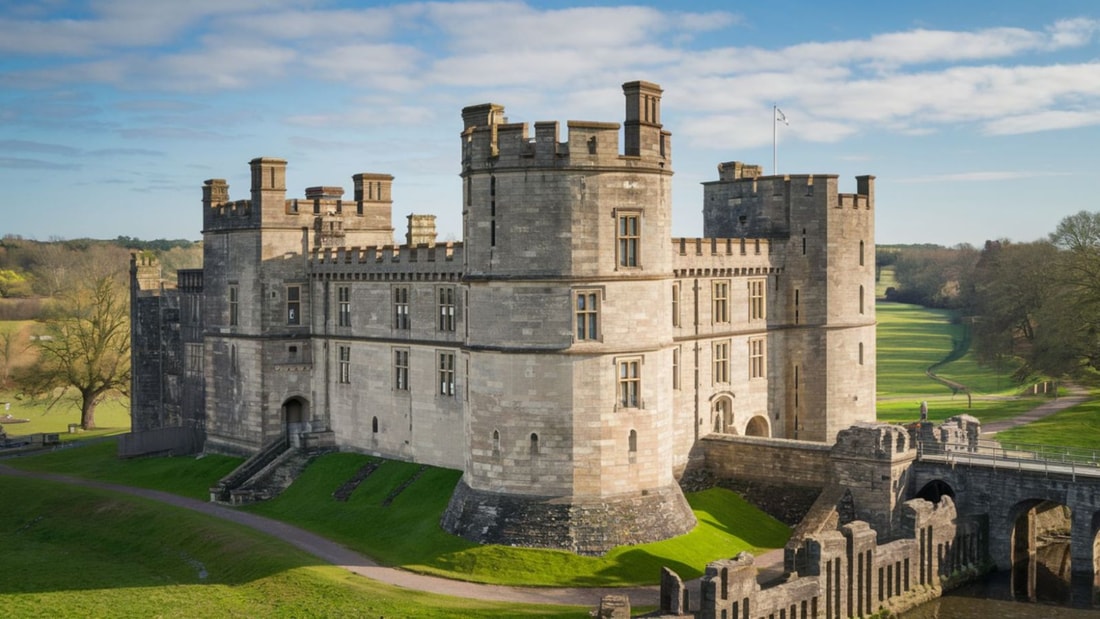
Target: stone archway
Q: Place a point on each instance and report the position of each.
(757, 426)
(296, 419)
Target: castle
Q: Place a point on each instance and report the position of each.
(567, 355)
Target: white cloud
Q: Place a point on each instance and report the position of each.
(981, 177)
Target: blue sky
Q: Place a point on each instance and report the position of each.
(981, 120)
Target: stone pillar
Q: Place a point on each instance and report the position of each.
(1082, 541)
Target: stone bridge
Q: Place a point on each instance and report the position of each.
(1013, 487)
(1017, 492)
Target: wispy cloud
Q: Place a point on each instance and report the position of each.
(981, 177)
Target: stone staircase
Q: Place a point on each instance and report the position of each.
(266, 474)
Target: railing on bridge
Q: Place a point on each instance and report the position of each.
(1016, 456)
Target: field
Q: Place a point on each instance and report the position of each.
(911, 339)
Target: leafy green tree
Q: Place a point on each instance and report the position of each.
(85, 347)
(1008, 296)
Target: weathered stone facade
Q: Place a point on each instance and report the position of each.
(567, 356)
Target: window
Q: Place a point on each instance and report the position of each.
(447, 373)
(194, 358)
(401, 369)
(344, 354)
(496, 442)
(534, 448)
(447, 308)
(721, 362)
(630, 383)
(861, 245)
(756, 358)
(401, 307)
(721, 299)
(234, 305)
(676, 304)
(757, 307)
(587, 311)
(676, 367)
(293, 305)
(629, 235)
(796, 307)
(861, 299)
(861, 353)
(374, 425)
(343, 298)
(632, 444)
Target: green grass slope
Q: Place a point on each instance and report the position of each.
(75, 552)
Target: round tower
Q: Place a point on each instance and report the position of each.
(568, 277)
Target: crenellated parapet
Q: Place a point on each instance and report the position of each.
(410, 262)
(702, 257)
(332, 219)
(848, 572)
(491, 142)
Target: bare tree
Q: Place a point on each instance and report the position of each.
(85, 347)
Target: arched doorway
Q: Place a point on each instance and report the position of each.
(723, 416)
(296, 418)
(757, 426)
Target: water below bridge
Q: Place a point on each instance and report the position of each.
(1043, 589)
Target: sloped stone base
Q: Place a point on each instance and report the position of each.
(588, 527)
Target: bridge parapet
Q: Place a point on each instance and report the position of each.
(848, 573)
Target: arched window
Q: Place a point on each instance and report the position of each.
(534, 444)
(374, 425)
(861, 299)
(633, 442)
(861, 253)
(496, 440)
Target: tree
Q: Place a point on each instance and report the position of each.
(1010, 296)
(85, 347)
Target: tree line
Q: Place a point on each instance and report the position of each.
(1036, 304)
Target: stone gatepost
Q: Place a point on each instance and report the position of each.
(862, 543)
(728, 587)
(872, 461)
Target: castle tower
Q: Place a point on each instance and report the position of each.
(568, 270)
(821, 306)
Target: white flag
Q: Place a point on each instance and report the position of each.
(779, 115)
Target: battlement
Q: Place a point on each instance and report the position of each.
(747, 181)
(323, 208)
(412, 260)
(712, 256)
(489, 140)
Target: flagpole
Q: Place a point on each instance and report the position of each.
(775, 120)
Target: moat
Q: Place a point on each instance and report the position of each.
(1053, 592)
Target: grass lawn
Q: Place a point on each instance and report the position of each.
(912, 338)
(112, 417)
(75, 552)
(406, 533)
(1073, 427)
(185, 475)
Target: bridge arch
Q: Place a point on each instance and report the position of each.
(935, 490)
